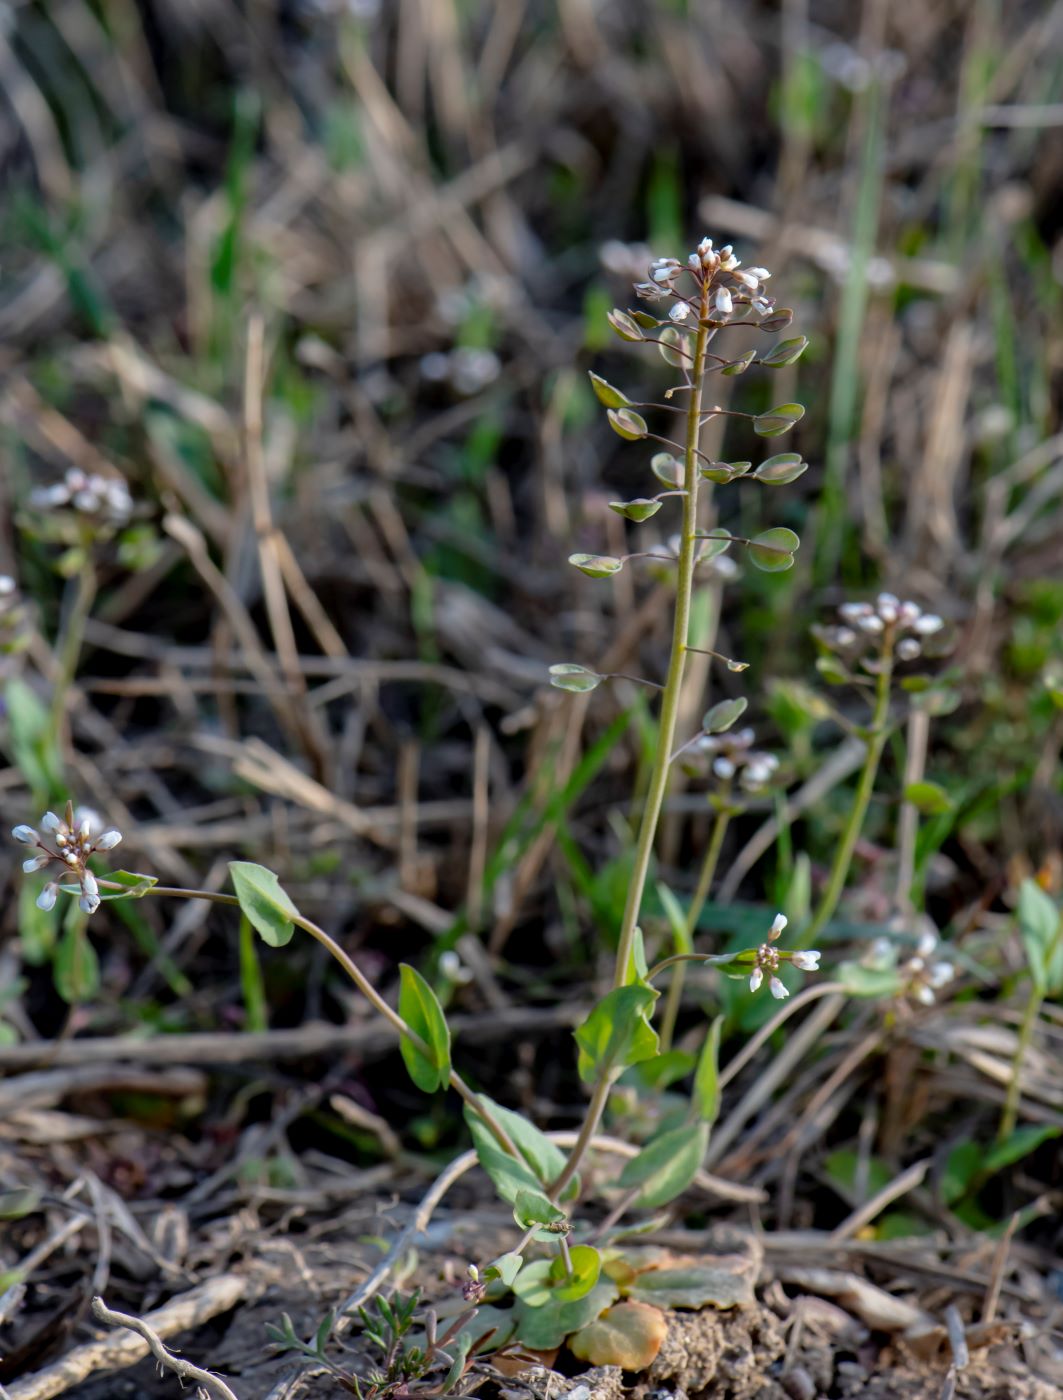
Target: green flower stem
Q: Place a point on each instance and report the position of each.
(68, 649)
(1010, 1113)
(708, 871)
(367, 989)
(878, 733)
(651, 811)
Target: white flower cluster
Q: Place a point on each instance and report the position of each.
(467, 370)
(89, 493)
(733, 286)
(769, 957)
(922, 975)
(732, 754)
(865, 625)
(73, 840)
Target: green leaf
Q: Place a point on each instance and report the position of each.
(706, 1097)
(929, 798)
(419, 1007)
(638, 510)
(617, 1033)
(612, 398)
(135, 885)
(715, 541)
(1042, 937)
(76, 966)
(626, 423)
(545, 1325)
(832, 670)
(778, 420)
(781, 469)
(667, 1165)
(663, 1069)
(33, 740)
(778, 320)
(505, 1268)
(628, 1335)
(672, 342)
(667, 470)
(534, 1286)
(785, 353)
(566, 675)
(682, 939)
(530, 1208)
(586, 1268)
(263, 901)
(876, 982)
(727, 1283)
(637, 966)
(723, 714)
(540, 1162)
(740, 365)
(1018, 1145)
(962, 1165)
(773, 550)
(625, 327)
(596, 565)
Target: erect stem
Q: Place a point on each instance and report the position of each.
(1010, 1113)
(651, 810)
(358, 977)
(878, 732)
(69, 646)
(697, 904)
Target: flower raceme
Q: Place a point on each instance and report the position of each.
(73, 839)
(768, 959)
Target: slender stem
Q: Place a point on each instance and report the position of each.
(674, 999)
(68, 648)
(651, 811)
(367, 989)
(876, 742)
(1010, 1112)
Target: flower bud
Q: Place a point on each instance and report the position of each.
(807, 961)
(777, 989)
(25, 834)
(107, 841)
(46, 898)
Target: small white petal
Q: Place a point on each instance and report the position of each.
(760, 273)
(46, 898)
(807, 962)
(25, 834)
(778, 924)
(908, 649)
(941, 973)
(35, 863)
(88, 884)
(853, 612)
(50, 822)
(777, 989)
(928, 941)
(888, 600)
(723, 768)
(108, 840)
(756, 977)
(89, 903)
(871, 623)
(724, 304)
(909, 613)
(928, 624)
(679, 312)
(924, 995)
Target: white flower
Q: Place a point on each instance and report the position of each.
(908, 649)
(777, 989)
(46, 898)
(925, 995)
(941, 973)
(909, 613)
(89, 903)
(777, 925)
(679, 312)
(50, 822)
(844, 636)
(25, 835)
(853, 612)
(35, 863)
(871, 623)
(661, 274)
(928, 624)
(722, 301)
(108, 840)
(928, 941)
(807, 962)
(705, 246)
(760, 273)
(723, 768)
(756, 977)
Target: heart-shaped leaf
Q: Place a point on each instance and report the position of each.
(624, 325)
(627, 423)
(641, 508)
(776, 320)
(586, 1267)
(740, 365)
(786, 352)
(530, 1209)
(666, 469)
(778, 420)
(773, 550)
(567, 675)
(596, 565)
(781, 469)
(617, 1032)
(713, 542)
(723, 714)
(612, 398)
